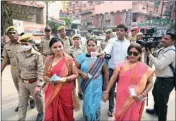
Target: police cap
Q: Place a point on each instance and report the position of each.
(11, 29)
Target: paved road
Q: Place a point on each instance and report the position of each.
(10, 101)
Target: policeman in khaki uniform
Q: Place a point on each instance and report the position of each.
(75, 51)
(62, 35)
(9, 53)
(109, 35)
(44, 48)
(77, 48)
(30, 72)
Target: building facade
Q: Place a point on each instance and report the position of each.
(35, 21)
(101, 15)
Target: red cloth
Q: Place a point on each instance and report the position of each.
(58, 97)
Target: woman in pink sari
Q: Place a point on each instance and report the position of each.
(135, 81)
(59, 94)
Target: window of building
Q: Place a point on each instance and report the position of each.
(134, 17)
(39, 15)
(28, 13)
(73, 6)
(107, 23)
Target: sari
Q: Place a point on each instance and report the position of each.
(92, 94)
(58, 97)
(127, 108)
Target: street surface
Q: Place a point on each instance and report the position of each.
(10, 102)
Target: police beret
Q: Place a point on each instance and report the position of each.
(93, 37)
(26, 38)
(108, 31)
(61, 28)
(76, 36)
(11, 28)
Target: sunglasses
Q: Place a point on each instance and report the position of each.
(133, 53)
(24, 44)
(47, 30)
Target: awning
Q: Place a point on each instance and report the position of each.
(58, 21)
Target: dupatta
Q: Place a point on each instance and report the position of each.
(93, 72)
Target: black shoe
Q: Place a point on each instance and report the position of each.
(110, 114)
(16, 109)
(32, 103)
(151, 111)
(80, 95)
(39, 117)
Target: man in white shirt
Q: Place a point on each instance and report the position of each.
(165, 80)
(117, 48)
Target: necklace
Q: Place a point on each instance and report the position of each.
(134, 71)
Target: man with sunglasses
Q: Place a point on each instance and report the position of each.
(164, 63)
(117, 48)
(44, 48)
(9, 53)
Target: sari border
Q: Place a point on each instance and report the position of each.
(94, 70)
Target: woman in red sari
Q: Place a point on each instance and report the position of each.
(135, 81)
(58, 95)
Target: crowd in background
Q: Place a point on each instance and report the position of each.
(60, 64)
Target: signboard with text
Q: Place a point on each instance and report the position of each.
(19, 25)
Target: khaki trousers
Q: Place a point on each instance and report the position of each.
(14, 74)
(25, 90)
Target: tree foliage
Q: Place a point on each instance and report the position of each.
(18, 10)
(55, 25)
(67, 20)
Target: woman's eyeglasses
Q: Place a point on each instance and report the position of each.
(133, 53)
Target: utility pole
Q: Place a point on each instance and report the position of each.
(46, 11)
(150, 16)
(161, 15)
(102, 19)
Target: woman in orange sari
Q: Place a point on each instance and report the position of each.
(135, 81)
(58, 94)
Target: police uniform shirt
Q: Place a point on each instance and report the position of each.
(162, 62)
(66, 44)
(30, 66)
(75, 52)
(9, 52)
(44, 46)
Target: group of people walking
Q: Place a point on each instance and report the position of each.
(59, 62)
